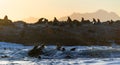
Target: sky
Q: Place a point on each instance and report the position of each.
(20, 9)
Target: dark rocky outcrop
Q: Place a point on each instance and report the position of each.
(68, 32)
(36, 51)
(73, 49)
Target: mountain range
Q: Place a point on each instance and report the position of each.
(100, 14)
(103, 15)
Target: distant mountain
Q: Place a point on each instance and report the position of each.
(100, 14)
(30, 19)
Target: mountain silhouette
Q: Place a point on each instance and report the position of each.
(100, 14)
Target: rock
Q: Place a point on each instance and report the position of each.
(36, 51)
(58, 46)
(73, 49)
(63, 49)
(4, 56)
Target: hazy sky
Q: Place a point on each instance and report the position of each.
(19, 9)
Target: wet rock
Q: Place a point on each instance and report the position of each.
(36, 51)
(73, 49)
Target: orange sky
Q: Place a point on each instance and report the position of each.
(20, 9)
